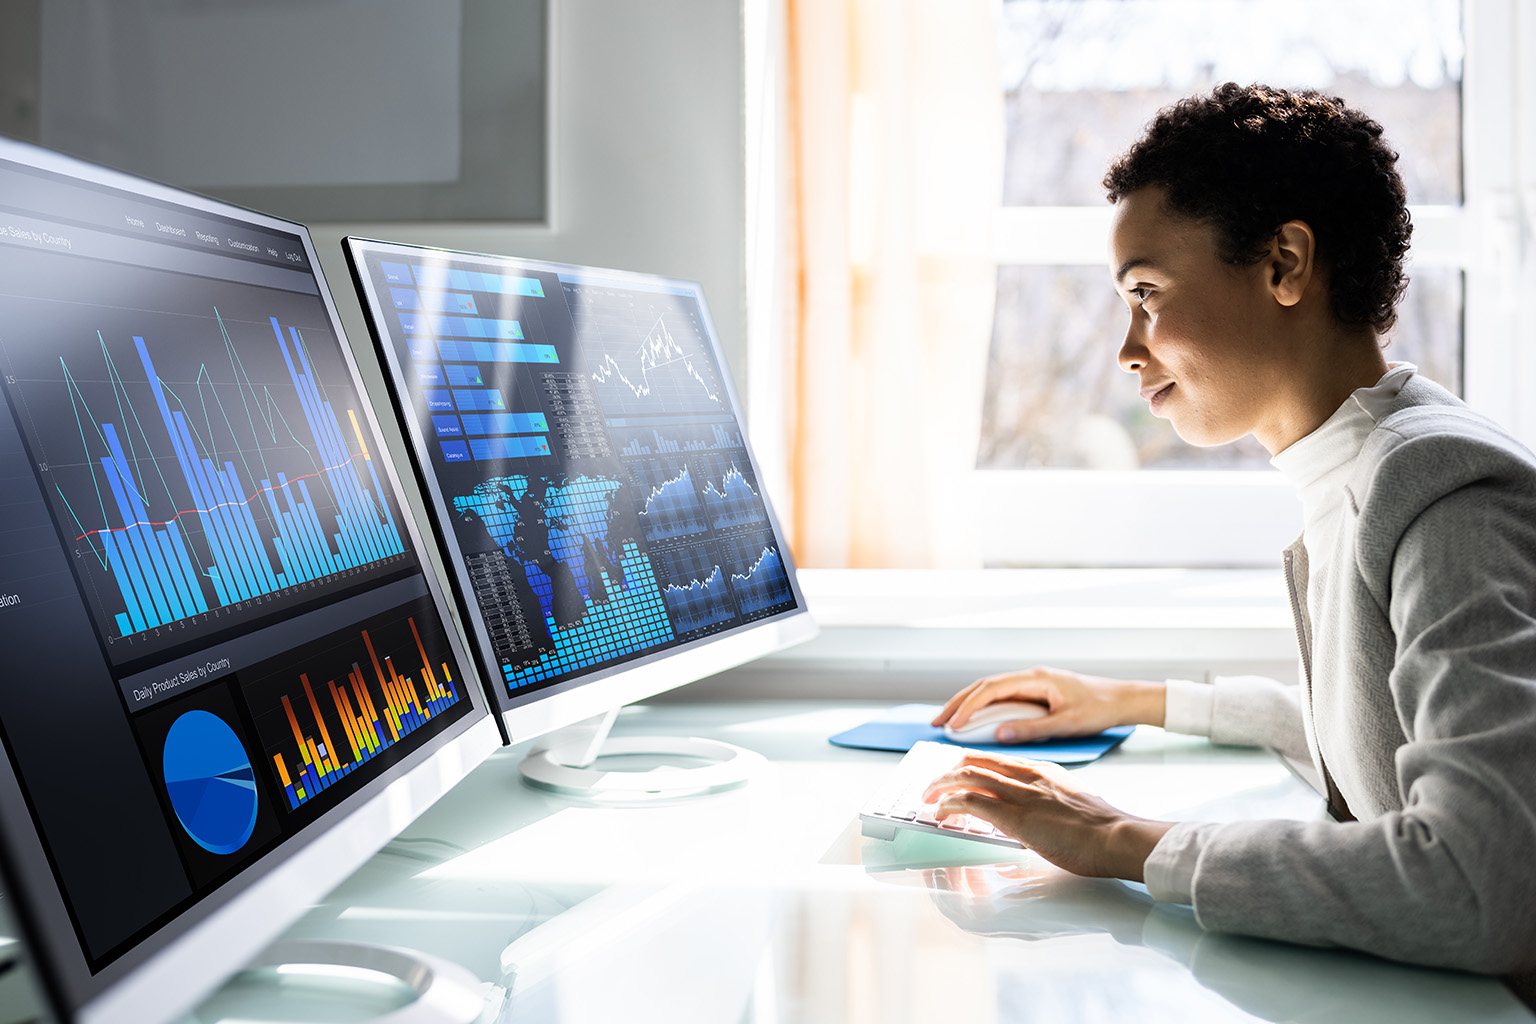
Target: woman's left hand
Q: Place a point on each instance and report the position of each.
(1038, 804)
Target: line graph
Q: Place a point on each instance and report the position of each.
(648, 353)
(661, 372)
(694, 588)
(670, 503)
(203, 489)
(756, 572)
(730, 492)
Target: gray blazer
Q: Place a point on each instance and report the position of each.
(1418, 701)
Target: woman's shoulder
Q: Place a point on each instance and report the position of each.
(1440, 437)
(1427, 445)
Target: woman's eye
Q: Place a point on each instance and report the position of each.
(1141, 294)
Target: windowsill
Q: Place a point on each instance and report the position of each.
(918, 634)
(1048, 598)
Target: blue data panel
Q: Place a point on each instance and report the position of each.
(505, 423)
(477, 399)
(460, 326)
(430, 375)
(496, 352)
(486, 448)
(438, 399)
(438, 277)
(448, 302)
(447, 426)
(461, 376)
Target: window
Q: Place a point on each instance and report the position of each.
(1062, 426)
(1070, 469)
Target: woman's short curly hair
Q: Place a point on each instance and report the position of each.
(1246, 159)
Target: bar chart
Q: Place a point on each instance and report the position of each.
(632, 440)
(367, 692)
(181, 521)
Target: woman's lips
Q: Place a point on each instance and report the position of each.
(1156, 395)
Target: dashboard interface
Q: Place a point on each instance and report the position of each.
(579, 438)
(216, 624)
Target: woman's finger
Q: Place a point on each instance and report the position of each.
(954, 702)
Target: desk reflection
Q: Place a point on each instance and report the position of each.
(1034, 903)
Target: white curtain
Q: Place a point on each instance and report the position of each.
(894, 125)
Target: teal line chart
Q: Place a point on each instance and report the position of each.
(170, 521)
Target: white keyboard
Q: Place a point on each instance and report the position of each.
(899, 802)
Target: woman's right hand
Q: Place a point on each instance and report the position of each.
(1078, 705)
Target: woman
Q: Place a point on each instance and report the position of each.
(1258, 241)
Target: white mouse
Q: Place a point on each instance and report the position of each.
(982, 728)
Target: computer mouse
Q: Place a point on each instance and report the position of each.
(982, 728)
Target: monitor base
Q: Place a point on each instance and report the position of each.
(569, 770)
(446, 993)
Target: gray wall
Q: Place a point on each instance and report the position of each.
(647, 170)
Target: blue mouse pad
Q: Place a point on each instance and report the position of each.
(901, 727)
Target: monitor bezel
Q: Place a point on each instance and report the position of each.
(169, 971)
(554, 706)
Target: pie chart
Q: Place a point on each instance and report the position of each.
(210, 781)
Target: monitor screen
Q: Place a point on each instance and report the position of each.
(229, 678)
(584, 457)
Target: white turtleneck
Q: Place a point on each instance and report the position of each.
(1320, 464)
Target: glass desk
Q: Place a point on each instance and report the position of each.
(764, 905)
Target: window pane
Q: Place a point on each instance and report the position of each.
(1082, 77)
(1056, 398)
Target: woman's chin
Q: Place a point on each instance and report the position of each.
(1202, 436)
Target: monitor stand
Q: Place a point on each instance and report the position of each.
(567, 764)
(446, 993)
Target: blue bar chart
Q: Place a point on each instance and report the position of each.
(188, 524)
(632, 440)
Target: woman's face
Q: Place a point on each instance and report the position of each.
(1204, 336)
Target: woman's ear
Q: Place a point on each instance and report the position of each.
(1292, 261)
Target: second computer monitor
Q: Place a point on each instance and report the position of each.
(581, 445)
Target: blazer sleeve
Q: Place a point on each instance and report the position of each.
(1447, 880)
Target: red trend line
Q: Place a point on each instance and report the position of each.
(225, 504)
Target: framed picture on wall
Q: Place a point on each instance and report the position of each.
(327, 110)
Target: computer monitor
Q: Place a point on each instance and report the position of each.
(586, 467)
(229, 678)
